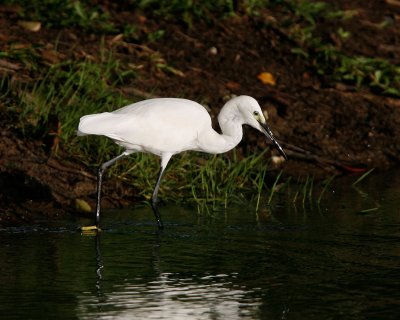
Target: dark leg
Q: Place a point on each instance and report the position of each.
(154, 199)
(103, 167)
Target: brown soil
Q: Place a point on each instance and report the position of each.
(325, 127)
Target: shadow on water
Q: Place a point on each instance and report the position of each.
(340, 261)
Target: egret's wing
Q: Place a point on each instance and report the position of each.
(161, 106)
(154, 125)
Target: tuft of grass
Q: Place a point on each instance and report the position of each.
(186, 10)
(212, 182)
(219, 180)
(308, 192)
(55, 102)
(325, 184)
(59, 13)
(327, 59)
(260, 185)
(273, 189)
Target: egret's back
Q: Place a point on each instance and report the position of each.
(154, 125)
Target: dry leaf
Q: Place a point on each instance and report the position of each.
(231, 85)
(3, 37)
(117, 38)
(142, 19)
(169, 69)
(51, 57)
(10, 8)
(21, 46)
(267, 78)
(4, 64)
(33, 26)
(395, 3)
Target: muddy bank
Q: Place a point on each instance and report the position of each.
(36, 184)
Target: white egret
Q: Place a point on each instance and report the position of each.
(167, 126)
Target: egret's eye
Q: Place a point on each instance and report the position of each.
(255, 113)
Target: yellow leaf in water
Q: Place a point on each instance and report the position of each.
(90, 231)
(267, 78)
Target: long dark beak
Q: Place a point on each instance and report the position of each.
(267, 131)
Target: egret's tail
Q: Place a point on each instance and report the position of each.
(97, 124)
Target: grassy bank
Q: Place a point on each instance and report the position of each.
(49, 104)
(49, 110)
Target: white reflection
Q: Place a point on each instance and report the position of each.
(173, 297)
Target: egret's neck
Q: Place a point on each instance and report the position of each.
(232, 132)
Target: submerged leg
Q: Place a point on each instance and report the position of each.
(154, 198)
(100, 172)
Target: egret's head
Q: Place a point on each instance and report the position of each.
(253, 116)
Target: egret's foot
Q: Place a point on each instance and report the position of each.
(89, 230)
(160, 225)
(157, 215)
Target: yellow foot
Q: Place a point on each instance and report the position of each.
(89, 230)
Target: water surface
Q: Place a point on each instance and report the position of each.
(339, 261)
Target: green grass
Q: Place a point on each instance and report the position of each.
(325, 184)
(92, 17)
(64, 93)
(362, 177)
(186, 10)
(61, 13)
(212, 181)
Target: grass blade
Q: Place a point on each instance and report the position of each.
(362, 177)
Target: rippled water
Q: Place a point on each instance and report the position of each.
(341, 261)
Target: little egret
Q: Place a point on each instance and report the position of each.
(167, 126)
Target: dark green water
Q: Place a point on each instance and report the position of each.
(339, 262)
